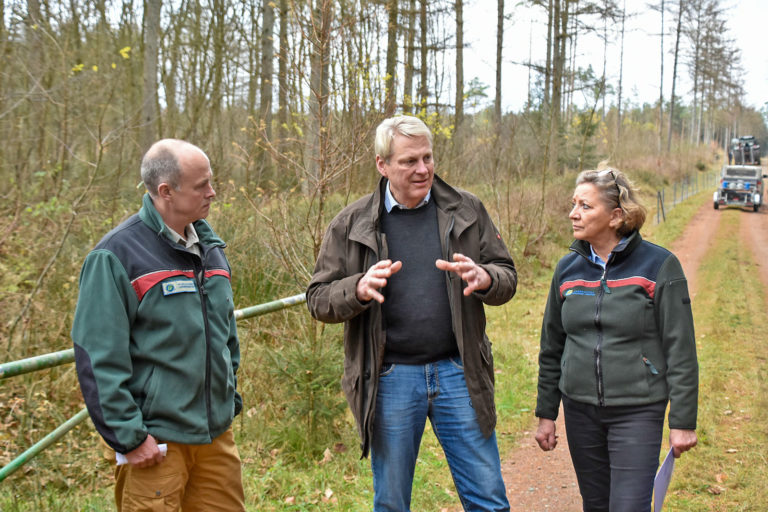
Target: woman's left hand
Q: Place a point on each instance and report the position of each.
(681, 440)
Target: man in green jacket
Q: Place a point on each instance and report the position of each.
(156, 346)
(408, 270)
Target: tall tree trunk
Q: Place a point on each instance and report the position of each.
(605, 57)
(390, 83)
(621, 76)
(550, 52)
(282, 73)
(674, 74)
(695, 130)
(424, 52)
(253, 59)
(558, 61)
(499, 47)
(572, 35)
(661, 81)
(460, 63)
(409, 57)
(317, 132)
(267, 74)
(149, 102)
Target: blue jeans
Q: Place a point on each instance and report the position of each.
(407, 396)
(615, 452)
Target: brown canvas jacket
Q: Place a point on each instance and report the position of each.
(353, 243)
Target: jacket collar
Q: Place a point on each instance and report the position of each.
(154, 221)
(623, 249)
(447, 199)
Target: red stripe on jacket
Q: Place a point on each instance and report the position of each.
(648, 285)
(145, 283)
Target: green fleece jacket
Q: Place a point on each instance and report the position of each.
(156, 347)
(622, 335)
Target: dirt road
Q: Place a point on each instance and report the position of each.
(538, 481)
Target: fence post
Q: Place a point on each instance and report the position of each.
(660, 206)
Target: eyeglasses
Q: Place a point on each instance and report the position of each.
(618, 189)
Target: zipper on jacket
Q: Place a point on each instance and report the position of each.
(599, 347)
(598, 351)
(650, 366)
(603, 282)
(203, 297)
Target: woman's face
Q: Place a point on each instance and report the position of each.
(591, 219)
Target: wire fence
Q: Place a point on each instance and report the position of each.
(668, 197)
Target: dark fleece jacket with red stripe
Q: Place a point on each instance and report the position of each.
(156, 347)
(619, 335)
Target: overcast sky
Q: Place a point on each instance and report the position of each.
(642, 51)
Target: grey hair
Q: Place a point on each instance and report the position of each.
(161, 165)
(617, 191)
(407, 126)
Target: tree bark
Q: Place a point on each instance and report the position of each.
(317, 133)
(661, 81)
(550, 49)
(674, 74)
(621, 76)
(390, 83)
(149, 102)
(410, 54)
(459, 5)
(499, 47)
(424, 53)
(282, 73)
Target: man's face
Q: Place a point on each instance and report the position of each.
(409, 169)
(192, 200)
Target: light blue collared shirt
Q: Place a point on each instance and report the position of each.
(390, 201)
(594, 258)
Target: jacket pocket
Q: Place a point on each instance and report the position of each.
(485, 351)
(150, 392)
(148, 491)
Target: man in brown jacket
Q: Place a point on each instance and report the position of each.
(408, 269)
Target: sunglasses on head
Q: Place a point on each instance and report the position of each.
(603, 173)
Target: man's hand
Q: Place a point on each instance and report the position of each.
(475, 275)
(545, 435)
(146, 455)
(376, 278)
(681, 440)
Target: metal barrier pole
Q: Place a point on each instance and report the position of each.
(43, 443)
(33, 364)
(269, 307)
(14, 368)
(44, 361)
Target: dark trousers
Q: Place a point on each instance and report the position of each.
(615, 452)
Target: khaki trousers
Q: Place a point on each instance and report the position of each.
(191, 478)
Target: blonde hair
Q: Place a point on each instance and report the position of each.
(616, 191)
(407, 126)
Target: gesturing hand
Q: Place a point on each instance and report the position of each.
(475, 275)
(376, 278)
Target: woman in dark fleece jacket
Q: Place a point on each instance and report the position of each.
(617, 345)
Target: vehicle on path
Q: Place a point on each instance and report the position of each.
(744, 151)
(740, 185)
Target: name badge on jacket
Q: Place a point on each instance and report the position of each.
(179, 286)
